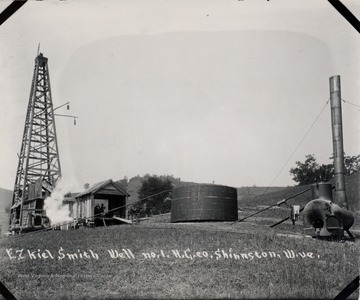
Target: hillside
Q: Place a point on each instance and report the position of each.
(134, 184)
(255, 196)
(254, 191)
(248, 197)
(5, 203)
(353, 191)
(5, 199)
(352, 184)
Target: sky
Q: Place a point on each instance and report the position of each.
(208, 91)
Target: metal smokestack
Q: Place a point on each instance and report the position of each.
(337, 135)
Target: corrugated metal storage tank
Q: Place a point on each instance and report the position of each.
(206, 202)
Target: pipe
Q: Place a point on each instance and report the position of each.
(337, 136)
(276, 204)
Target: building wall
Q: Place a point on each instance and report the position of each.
(84, 206)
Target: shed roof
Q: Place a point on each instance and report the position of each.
(96, 187)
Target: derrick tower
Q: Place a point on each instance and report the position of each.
(39, 163)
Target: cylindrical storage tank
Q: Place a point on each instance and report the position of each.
(204, 202)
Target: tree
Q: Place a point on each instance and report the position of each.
(156, 190)
(310, 171)
(123, 183)
(352, 164)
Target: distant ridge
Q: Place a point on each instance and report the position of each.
(271, 197)
(5, 203)
(134, 184)
(5, 199)
(247, 196)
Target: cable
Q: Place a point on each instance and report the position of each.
(96, 215)
(292, 154)
(351, 103)
(283, 220)
(275, 204)
(296, 148)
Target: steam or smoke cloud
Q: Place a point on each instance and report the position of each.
(57, 212)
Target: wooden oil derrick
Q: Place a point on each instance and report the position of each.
(39, 164)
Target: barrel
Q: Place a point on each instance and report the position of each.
(205, 202)
(321, 191)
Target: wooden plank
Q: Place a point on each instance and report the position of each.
(108, 192)
(126, 221)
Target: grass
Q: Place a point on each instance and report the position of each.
(324, 271)
(334, 264)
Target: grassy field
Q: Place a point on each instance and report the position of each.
(160, 260)
(171, 261)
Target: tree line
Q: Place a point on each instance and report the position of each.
(154, 194)
(310, 171)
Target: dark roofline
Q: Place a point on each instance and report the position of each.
(69, 199)
(94, 188)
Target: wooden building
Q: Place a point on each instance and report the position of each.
(107, 196)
